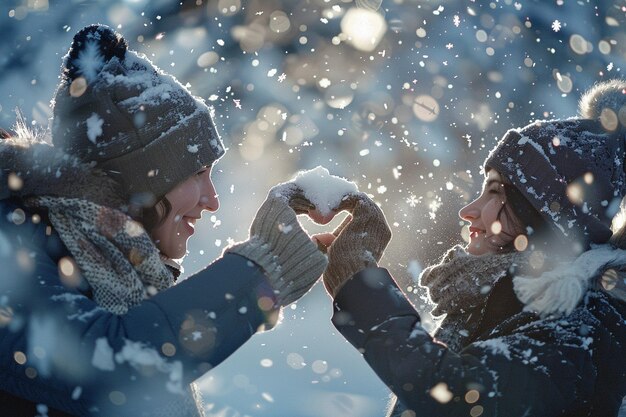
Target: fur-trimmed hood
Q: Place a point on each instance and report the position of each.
(30, 167)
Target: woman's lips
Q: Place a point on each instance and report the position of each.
(189, 223)
(475, 231)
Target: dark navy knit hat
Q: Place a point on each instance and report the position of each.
(572, 170)
(117, 110)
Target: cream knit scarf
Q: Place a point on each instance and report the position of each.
(460, 283)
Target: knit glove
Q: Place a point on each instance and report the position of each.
(279, 245)
(360, 243)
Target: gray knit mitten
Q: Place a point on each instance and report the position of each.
(361, 241)
(280, 246)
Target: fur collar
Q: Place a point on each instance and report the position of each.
(31, 167)
(558, 291)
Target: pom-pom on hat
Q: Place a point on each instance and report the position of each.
(572, 170)
(117, 110)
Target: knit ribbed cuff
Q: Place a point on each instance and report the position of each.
(291, 272)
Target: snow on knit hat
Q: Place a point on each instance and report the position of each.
(572, 170)
(117, 110)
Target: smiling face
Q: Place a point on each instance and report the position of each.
(491, 225)
(188, 200)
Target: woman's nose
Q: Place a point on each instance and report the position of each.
(209, 199)
(470, 212)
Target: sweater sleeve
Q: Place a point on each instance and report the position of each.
(58, 347)
(536, 370)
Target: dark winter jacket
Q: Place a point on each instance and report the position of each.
(61, 353)
(515, 364)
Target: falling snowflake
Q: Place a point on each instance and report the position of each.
(413, 200)
(90, 61)
(282, 77)
(237, 103)
(94, 127)
(449, 46)
(456, 20)
(609, 67)
(434, 206)
(556, 26)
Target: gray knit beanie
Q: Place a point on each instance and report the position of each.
(115, 109)
(572, 170)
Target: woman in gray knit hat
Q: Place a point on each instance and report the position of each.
(93, 321)
(534, 305)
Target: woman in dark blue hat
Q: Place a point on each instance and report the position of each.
(534, 305)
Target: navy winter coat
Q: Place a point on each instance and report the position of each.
(60, 351)
(516, 364)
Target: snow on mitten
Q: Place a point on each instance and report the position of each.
(280, 246)
(360, 241)
(323, 192)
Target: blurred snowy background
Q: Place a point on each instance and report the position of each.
(404, 97)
